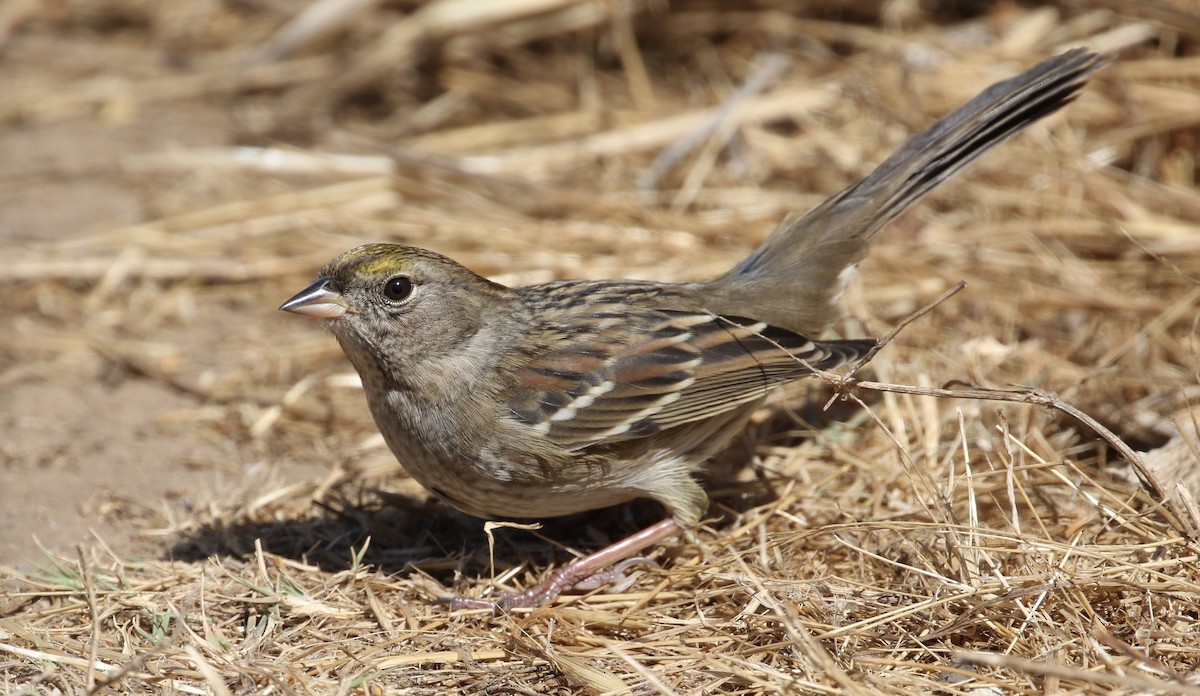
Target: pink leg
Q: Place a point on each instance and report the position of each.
(576, 571)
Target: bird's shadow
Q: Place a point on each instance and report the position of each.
(401, 534)
(395, 533)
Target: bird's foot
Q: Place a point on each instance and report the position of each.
(606, 566)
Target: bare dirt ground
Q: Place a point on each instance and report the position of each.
(193, 496)
(89, 443)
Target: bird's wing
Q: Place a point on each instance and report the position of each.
(653, 369)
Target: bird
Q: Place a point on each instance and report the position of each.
(572, 395)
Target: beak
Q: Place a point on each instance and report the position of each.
(317, 301)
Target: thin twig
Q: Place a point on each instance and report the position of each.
(1028, 395)
(904, 323)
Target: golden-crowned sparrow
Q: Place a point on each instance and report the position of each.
(567, 396)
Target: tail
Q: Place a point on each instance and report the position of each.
(795, 278)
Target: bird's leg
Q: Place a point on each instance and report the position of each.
(574, 572)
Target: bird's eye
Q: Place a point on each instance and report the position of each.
(398, 289)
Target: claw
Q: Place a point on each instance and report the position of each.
(614, 576)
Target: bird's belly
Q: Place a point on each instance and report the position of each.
(490, 490)
(486, 483)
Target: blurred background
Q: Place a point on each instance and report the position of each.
(171, 172)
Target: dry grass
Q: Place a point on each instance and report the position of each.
(895, 543)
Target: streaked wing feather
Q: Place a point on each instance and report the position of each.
(660, 369)
(745, 359)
